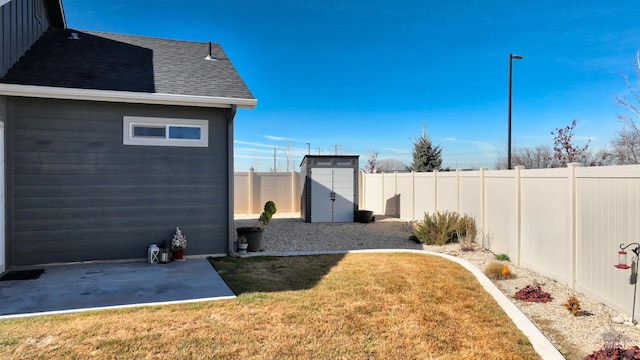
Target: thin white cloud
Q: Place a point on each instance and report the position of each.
(252, 143)
(396, 150)
(282, 138)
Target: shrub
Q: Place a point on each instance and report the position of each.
(441, 228)
(503, 257)
(468, 240)
(533, 294)
(498, 271)
(267, 214)
(614, 347)
(573, 305)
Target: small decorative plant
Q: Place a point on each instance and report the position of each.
(179, 241)
(614, 347)
(503, 257)
(573, 305)
(533, 293)
(467, 239)
(498, 271)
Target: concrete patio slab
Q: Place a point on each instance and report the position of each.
(95, 286)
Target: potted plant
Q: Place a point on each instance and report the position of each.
(178, 244)
(254, 234)
(242, 244)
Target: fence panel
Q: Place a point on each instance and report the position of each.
(608, 214)
(501, 213)
(241, 193)
(425, 190)
(405, 195)
(390, 195)
(373, 197)
(253, 189)
(546, 222)
(447, 191)
(470, 198)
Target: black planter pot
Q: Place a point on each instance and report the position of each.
(253, 235)
(364, 216)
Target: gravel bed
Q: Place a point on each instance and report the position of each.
(574, 336)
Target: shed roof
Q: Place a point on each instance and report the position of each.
(133, 64)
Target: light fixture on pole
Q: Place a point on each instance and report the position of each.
(511, 58)
(633, 278)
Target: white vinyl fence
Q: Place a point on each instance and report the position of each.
(252, 189)
(564, 223)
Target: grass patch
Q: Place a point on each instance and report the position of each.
(356, 306)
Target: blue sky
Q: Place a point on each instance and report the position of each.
(366, 75)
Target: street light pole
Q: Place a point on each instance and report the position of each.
(511, 58)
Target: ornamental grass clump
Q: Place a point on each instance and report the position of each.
(498, 271)
(441, 228)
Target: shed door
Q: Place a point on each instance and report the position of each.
(321, 188)
(344, 195)
(332, 195)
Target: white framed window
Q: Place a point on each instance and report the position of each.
(152, 131)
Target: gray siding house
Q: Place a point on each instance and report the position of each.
(111, 141)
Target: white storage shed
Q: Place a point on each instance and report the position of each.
(329, 188)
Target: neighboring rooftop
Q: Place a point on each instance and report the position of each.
(103, 61)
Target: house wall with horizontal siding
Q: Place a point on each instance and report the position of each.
(78, 193)
(22, 22)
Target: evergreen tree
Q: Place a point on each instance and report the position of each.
(426, 157)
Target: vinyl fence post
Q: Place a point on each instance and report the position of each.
(518, 200)
(250, 190)
(571, 167)
(483, 209)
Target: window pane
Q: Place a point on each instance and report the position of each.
(148, 131)
(184, 132)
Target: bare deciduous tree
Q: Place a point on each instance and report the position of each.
(289, 161)
(626, 141)
(531, 158)
(565, 151)
(372, 163)
(390, 164)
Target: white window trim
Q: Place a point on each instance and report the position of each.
(128, 122)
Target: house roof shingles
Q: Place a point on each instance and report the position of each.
(102, 61)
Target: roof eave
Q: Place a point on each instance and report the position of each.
(50, 92)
